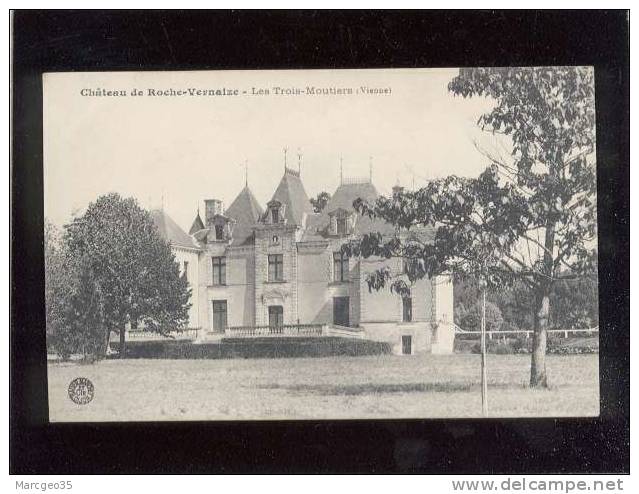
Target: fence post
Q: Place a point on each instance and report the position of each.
(484, 378)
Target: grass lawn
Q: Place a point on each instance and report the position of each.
(388, 386)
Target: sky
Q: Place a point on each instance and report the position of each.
(176, 151)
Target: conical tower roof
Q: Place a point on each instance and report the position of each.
(291, 192)
(197, 225)
(246, 212)
(170, 231)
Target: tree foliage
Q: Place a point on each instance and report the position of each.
(548, 114)
(117, 254)
(469, 318)
(320, 202)
(462, 227)
(133, 265)
(530, 217)
(74, 320)
(573, 303)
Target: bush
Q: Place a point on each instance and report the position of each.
(522, 345)
(573, 346)
(496, 347)
(556, 346)
(470, 319)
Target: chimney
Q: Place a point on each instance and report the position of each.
(213, 207)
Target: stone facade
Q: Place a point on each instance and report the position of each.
(302, 285)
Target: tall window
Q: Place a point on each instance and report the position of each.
(276, 267)
(341, 226)
(407, 313)
(275, 215)
(185, 272)
(219, 270)
(340, 267)
(219, 232)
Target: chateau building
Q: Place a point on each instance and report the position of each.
(280, 266)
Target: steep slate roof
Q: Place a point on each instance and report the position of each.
(246, 212)
(291, 192)
(343, 198)
(170, 231)
(197, 225)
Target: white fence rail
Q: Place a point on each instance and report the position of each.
(301, 330)
(528, 332)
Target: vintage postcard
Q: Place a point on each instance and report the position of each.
(321, 244)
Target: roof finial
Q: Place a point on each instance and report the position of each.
(341, 170)
(370, 169)
(246, 173)
(299, 161)
(285, 151)
(411, 170)
(162, 200)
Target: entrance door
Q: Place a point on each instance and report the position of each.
(407, 345)
(275, 316)
(340, 311)
(219, 315)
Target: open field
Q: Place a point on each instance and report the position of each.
(387, 386)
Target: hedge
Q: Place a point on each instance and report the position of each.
(555, 346)
(254, 348)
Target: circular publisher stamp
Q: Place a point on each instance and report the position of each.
(81, 390)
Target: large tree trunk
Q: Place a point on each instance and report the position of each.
(538, 377)
(107, 340)
(122, 343)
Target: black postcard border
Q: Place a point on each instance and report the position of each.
(203, 40)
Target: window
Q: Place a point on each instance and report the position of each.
(185, 271)
(134, 324)
(219, 270)
(407, 312)
(219, 232)
(340, 267)
(341, 226)
(275, 214)
(407, 344)
(275, 316)
(276, 267)
(219, 315)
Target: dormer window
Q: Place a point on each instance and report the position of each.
(342, 226)
(219, 232)
(341, 222)
(275, 213)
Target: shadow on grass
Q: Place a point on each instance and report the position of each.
(364, 389)
(371, 388)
